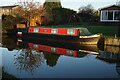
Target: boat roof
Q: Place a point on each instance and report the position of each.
(59, 27)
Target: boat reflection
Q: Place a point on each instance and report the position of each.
(72, 50)
(68, 49)
(53, 50)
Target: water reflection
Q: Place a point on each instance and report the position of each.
(9, 42)
(28, 60)
(118, 69)
(51, 58)
(106, 53)
(33, 53)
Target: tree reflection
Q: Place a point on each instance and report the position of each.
(51, 58)
(9, 42)
(29, 60)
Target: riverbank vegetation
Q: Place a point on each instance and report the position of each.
(32, 13)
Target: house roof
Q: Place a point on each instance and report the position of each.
(113, 7)
(8, 6)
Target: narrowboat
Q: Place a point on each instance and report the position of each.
(81, 35)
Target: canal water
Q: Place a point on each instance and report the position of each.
(45, 58)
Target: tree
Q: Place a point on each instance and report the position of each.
(86, 13)
(9, 21)
(50, 5)
(30, 10)
(63, 15)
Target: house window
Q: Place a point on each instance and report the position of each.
(117, 15)
(110, 15)
(104, 15)
(36, 30)
(54, 31)
(70, 31)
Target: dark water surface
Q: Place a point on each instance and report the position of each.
(45, 58)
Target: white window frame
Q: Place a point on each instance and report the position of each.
(113, 20)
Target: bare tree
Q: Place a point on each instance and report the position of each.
(30, 10)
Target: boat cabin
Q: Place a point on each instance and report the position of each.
(60, 31)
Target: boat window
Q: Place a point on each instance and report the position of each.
(70, 52)
(45, 30)
(36, 30)
(84, 32)
(53, 49)
(35, 46)
(54, 31)
(70, 31)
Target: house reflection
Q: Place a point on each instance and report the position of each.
(118, 69)
(110, 54)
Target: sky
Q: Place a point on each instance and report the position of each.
(72, 4)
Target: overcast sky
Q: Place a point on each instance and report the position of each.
(72, 4)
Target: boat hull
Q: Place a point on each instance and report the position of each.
(90, 40)
(61, 38)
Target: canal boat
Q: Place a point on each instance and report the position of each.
(81, 35)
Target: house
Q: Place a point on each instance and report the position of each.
(110, 14)
(6, 10)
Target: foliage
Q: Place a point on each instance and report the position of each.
(52, 5)
(49, 6)
(9, 21)
(30, 10)
(88, 14)
(63, 15)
